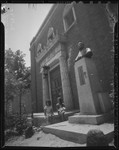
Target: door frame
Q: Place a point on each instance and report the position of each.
(49, 80)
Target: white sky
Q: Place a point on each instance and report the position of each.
(21, 25)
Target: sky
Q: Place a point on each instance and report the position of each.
(22, 21)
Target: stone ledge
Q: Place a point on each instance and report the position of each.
(78, 132)
(90, 119)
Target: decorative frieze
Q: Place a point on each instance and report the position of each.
(58, 38)
(39, 49)
(51, 35)
(46, 49)
(51, 55)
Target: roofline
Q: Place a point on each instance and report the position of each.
(44, 22)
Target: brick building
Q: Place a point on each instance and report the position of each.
(55, 47)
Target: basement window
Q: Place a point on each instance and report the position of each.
(69, 19)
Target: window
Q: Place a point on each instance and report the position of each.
(81, 75)
(69, 19)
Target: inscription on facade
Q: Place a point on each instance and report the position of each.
(51, 55)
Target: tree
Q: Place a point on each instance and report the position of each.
(16, 75)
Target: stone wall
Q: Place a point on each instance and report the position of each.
(33, 80)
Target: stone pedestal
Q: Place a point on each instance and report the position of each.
(95, 105)
(91, 119)
(67, 94)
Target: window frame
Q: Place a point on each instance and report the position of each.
(74, 15)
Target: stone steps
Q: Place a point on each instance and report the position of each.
(77, 132)
(39, 118)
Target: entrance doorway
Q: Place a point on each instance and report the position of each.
(56, 86)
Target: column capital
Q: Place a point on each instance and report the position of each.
(45, 71)
(46, 67)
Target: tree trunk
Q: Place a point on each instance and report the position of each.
(20, 95)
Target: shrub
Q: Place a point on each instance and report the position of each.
(96, 137)
(17, 122)
(29, 132)
(21, 124)
(10, 133)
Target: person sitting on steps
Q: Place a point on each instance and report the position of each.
(60, 109)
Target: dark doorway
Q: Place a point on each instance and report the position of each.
(56, 86)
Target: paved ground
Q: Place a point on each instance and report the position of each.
(42, 140)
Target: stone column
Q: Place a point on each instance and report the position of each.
(45, 85)
(67, 94)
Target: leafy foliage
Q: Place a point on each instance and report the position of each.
(17, 81)
(16, 73)
(29, 132)
(10, 133)
(14, 126)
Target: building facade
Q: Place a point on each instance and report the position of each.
(55, 47)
